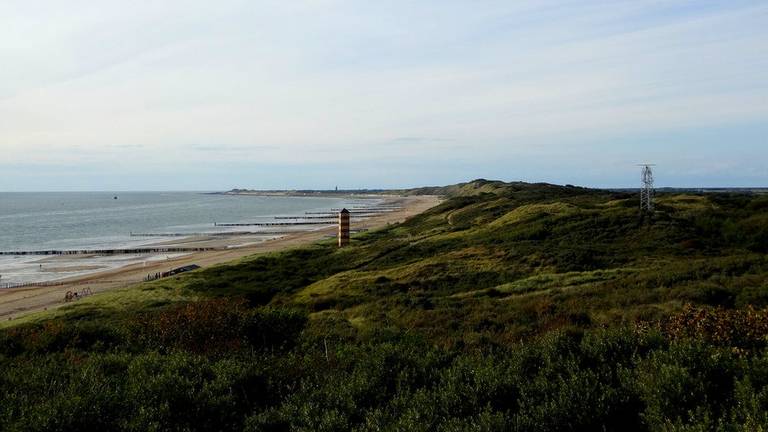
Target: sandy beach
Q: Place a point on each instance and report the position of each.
(16, 302)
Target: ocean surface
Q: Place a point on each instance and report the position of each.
(96, 220)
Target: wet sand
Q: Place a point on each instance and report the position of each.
(16, 302)
(70, 268)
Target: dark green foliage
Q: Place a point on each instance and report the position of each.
(614, 380)
(261, 278)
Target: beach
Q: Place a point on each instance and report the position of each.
(16, 302)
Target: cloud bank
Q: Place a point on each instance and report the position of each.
(201, 95)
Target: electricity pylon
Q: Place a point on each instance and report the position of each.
(646, 191)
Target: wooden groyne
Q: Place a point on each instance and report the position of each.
(329, 217)
(212, 234)
(271, 224)
(369, 210)
(112, 251)
(9, 285)
(375, 208)
(353, 212)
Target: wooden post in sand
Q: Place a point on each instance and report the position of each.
(343, 227)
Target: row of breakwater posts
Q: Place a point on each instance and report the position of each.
(330, 217)
(369, 209)
(343, 234)
(213, 234)
(317, 217)
(11, 285)
(326, 220)
(113, 251)
(369, 213)
(87, 291)
(270, 224)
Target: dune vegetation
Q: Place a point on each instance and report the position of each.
(510, 306)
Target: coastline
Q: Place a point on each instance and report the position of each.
(17, 302)
(69, 231)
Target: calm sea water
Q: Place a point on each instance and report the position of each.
(95, 220)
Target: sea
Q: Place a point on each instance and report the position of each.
(106, 220)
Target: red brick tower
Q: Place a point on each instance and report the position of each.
(343, 227)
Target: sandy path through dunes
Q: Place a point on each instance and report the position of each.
(16, 302)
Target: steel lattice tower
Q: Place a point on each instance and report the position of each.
(646, 191)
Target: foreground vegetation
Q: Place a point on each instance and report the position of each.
(508, 307)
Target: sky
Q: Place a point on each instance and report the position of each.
(212, 95)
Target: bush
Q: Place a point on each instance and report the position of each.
(217, 326)
(737, 328)
(58, 336)
(207, 326)
(274, 327)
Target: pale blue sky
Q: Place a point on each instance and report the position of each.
(202, 95)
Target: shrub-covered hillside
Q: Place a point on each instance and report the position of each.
(510, 306)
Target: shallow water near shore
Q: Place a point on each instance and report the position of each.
(106, 220)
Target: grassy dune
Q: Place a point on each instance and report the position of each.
(510, 306)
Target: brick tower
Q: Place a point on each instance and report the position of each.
(343, 227)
